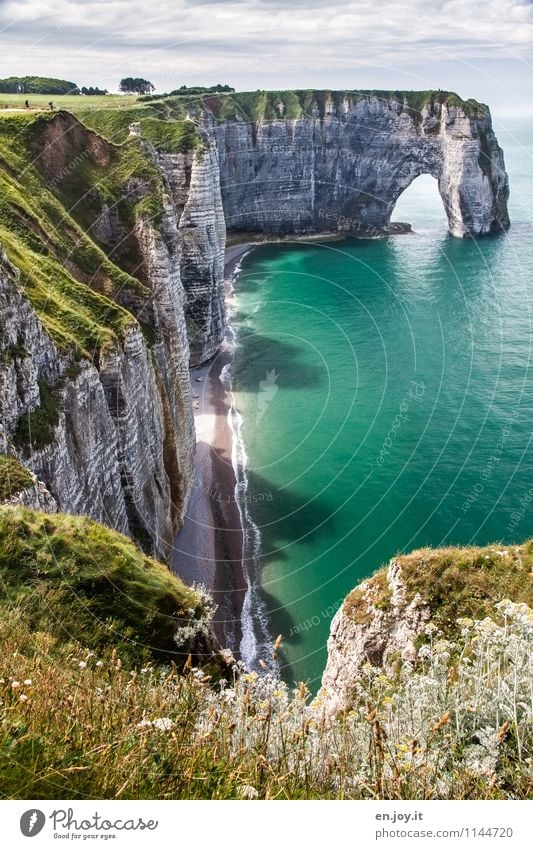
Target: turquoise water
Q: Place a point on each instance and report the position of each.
(386, 395)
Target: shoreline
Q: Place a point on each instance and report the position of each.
(209, 548)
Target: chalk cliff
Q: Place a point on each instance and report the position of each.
(111, 279)
(338, 162)
(106, 424)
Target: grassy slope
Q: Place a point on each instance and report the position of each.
(45, 224)
(455, 582)
(41, 239)
(83, 584)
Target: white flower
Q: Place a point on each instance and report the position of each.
(15, 685)
(28, 682)
(145, 723)
(248, 792)
(229, 695)
(23, 698)
(99, 663)
(82, 664)
(163, 723)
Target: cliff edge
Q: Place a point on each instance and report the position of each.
(418, 598)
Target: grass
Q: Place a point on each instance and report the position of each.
(453, 583)
(83, 584)
(158, 126)
(71, 283)
(97, 702)
(14, 477)
(67, 101)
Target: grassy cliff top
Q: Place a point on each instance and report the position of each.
(158, 126)
(269, 105)
(111, 114)
(290, 104)
(80, 583)
(86, 713)
(453, 582)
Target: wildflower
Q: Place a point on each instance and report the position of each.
(28, 682)
(99, 663)
(229, 695)
(15, 685)
(145, 723)
(248, 792)
(163, 724)
(82, 664)
(23, 698)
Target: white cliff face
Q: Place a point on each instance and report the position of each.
(122, 445)
(344, 168)
(195, 192)
(378, 627)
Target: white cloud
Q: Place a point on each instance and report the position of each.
(175, 40)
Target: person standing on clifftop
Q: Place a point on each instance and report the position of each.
(51, 105)
(27, 104)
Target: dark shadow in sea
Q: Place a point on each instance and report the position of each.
(262, 354)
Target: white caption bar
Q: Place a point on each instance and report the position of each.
(266, 825)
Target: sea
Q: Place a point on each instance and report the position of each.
(382, 402)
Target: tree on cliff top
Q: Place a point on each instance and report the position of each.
(136, 85)
(37, 85)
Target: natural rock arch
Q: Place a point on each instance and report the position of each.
(344, 167)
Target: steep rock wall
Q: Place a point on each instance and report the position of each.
(120, 442)
(377, 635)
(195, 191)
(343, 166)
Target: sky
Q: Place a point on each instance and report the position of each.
(479, 49)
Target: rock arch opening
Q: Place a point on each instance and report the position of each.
(421, 205)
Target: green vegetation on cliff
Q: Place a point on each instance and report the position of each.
(14, 477)
(246, 105)
(453, 583)
(68, 279)
(82, 584)
(300, 103)
(157, 126)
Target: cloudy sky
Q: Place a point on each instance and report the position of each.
(481, 48)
